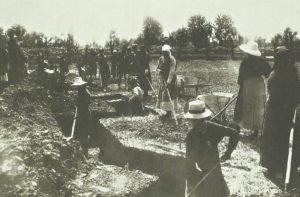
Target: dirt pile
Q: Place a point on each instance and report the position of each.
(34, 160)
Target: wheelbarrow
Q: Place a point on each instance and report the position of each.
(217, 103)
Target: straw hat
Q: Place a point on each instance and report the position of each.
(166, 47)
(197, 110)
(78, 82)
(251, 48)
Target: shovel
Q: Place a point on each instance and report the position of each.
(170, 100)
(73, 126)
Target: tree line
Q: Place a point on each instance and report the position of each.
(198, 33)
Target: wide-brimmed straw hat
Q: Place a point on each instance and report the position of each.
(78, 82)
(197, 110)
(251, 48)
(166, 47)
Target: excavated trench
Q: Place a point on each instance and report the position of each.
(158, 160)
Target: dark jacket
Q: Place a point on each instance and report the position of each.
(144, 79)
(203, 150)
(251, 67)
(83, 118)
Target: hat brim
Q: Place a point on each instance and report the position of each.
(203, 115)
(79, 84)
(245, 48)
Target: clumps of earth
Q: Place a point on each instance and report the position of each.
(35, 159)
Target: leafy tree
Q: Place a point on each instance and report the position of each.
(200, 31)
(113, 42)
(289, 37)
(34, 39)
(225, 31)
(277, 40)
(124, 43)
(57, 42)
(17, 30)
(261, 42)
(152, 31)
(180, 38)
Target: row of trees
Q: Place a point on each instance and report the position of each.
(198, 33)
(36, 39)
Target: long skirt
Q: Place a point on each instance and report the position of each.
(252, 104)
(275, 135)
(83, 128)
(165, 100)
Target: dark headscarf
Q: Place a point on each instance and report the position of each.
(283, 61)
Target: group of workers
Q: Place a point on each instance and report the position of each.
(129, 62)
(269, 115)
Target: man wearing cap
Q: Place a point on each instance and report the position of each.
(83, 116)
(167, 71)
(204, 176)
(250, 105)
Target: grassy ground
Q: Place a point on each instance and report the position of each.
(243, 173)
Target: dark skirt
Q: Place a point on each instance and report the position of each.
(275, 135)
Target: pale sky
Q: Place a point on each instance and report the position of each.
(92, 20)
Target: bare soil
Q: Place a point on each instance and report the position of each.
(35, 160)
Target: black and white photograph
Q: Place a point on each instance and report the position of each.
(149, 98)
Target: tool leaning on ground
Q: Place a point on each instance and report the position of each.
(290, 155)
(170, 99)
(151, 86)
(73, 126)
(226, 106)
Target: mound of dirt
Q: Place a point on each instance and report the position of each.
(35, 160)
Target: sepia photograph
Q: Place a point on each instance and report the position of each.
(149, 98)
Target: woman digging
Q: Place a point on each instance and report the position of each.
(204, 176)
(83, 115)
(167, 86)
